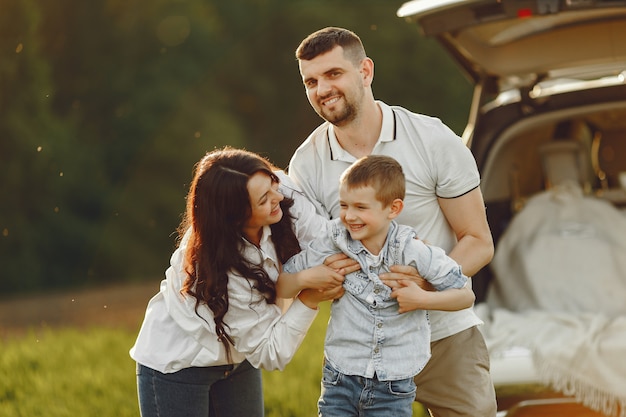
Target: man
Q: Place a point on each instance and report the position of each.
(443, 200)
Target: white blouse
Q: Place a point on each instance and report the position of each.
(173, 337)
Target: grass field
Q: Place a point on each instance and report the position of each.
(86, 371)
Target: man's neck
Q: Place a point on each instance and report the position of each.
(359, 136)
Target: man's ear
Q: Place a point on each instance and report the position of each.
(367, 71)
(395, 208)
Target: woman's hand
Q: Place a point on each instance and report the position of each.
(342, 264)
(320, 278)
(327, 276)
(311, 298)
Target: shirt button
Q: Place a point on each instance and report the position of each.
(379, 325)
(376, 290)
(376, 350)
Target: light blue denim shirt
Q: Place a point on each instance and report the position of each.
(366, 335)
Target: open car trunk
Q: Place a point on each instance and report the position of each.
(547, 127)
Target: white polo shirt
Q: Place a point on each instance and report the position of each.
(435, 162)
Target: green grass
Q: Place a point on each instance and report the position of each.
(63, 373)
(71, 372)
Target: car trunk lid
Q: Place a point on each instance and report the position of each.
(514, 44)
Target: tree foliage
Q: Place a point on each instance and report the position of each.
(106, 105)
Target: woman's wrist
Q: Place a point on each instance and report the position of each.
(302, 278)
(307, 300)
(289, 284)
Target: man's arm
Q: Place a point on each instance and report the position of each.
(474, 249)
(411, 297)
(467, 217)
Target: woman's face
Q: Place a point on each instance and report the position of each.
(264, 202)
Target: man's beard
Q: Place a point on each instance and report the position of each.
(346, 115)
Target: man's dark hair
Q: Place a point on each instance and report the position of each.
(325, 40)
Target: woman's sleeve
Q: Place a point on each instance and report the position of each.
(182, 307)
(268, 339)
(308, 224)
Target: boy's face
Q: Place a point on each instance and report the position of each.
(364, 216)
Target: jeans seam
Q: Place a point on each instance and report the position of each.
(156, 403)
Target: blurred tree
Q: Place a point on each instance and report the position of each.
(45, 235)
(106, 105)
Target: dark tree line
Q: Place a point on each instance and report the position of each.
(106, 105)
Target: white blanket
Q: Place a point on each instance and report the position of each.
(582, 355)
(562, 252)
(560, 290)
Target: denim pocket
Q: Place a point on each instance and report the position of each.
(402, 387)
(142, 370)
(356, 282)
(330, 376)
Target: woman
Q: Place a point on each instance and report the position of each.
(215, 320)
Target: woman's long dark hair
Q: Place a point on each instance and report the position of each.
(218, 206)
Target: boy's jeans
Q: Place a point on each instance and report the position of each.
(220, 391)
(350, 395)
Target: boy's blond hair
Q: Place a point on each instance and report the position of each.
(383, 173)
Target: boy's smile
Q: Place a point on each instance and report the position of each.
(364, 216)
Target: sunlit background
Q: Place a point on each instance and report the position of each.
(105, 106)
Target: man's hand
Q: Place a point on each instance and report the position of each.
(404, 273)
(409, 296)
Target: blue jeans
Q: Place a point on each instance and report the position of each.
(351, 395)
(216, 391)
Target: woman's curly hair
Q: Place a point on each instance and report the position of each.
(218, 207)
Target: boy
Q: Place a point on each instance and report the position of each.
(372, 351)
